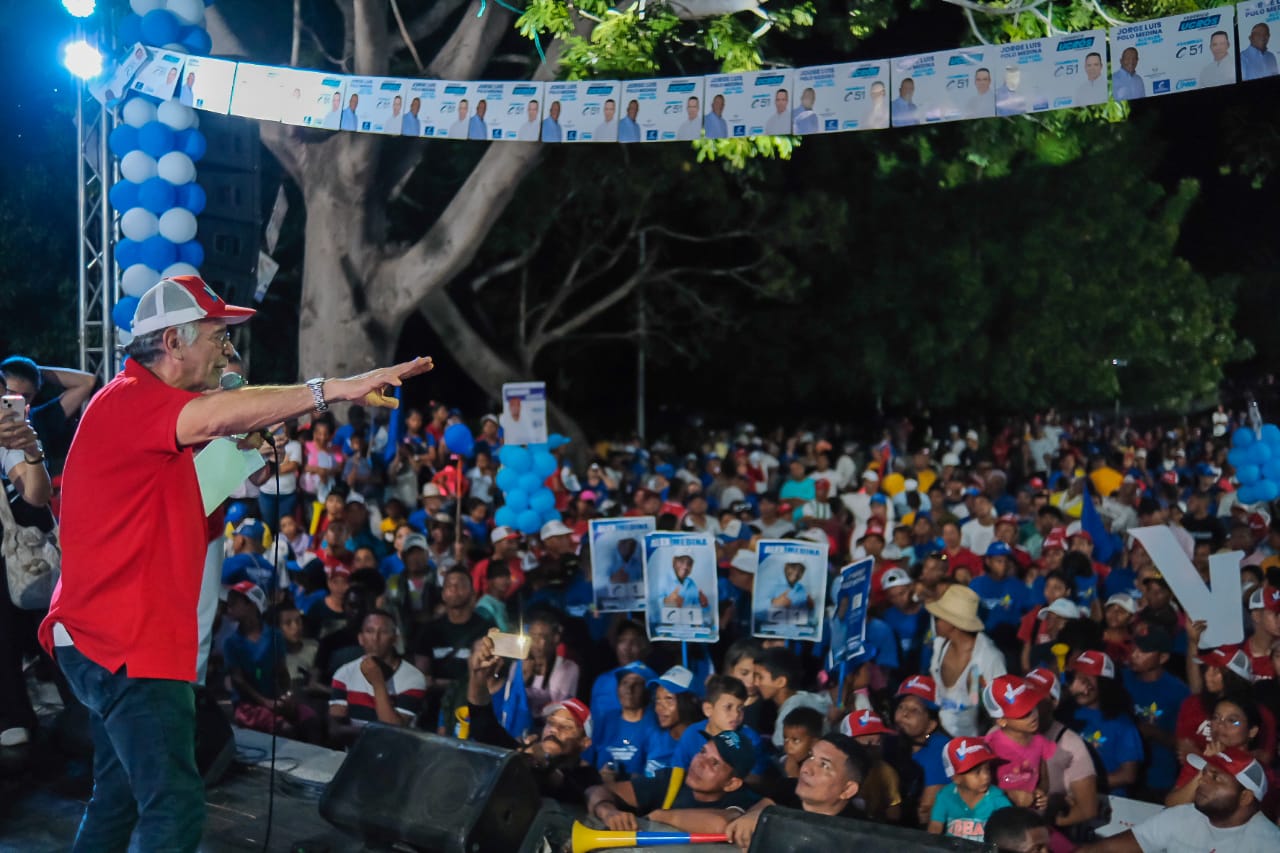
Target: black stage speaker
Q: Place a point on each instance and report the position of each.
(431, 792)
(789, 831)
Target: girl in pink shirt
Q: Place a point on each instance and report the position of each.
(1022, 752)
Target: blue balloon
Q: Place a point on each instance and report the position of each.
(517, 499)
(551, 515)
(1238, 456)
(128, 252)
(130, 29)
(1268, 490)
(530, 482)
(505, 516)
(122, 313)
(544, 464)
(1243, 437)
(156, 195)
(1258, 453)
(528, 522)
(124, 196)
(1271, 434)
(1247, 475)
(192, 197)
(196, 40)
(155, 138)
(459, 440)
(1247, 494)
(123, 139)
(160, 27)
(158, 253)
(556, 440)
(542, 500)
(507, 480)
(516, 458)
(1271, 468)
(191, 252)
(192, 143)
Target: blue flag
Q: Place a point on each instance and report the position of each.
(394, 429)
(1104, 544)
(511, 704)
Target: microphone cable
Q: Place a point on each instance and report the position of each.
(275, 639)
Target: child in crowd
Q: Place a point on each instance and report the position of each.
(962, 807)
(881, 791)
(778, 674)
(740, 662)
(801, 728)
(1117, 632)
(722, 705)
(300, 650)
(492, 605)
(1016, 742)
(676, 707)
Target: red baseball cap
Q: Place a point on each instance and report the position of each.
(922, 687)
(1010, 697)
(965, 753)
(1231, 658)
(1048, 682)
(873, 530)
(865, 722)
(183, 299)
(1095, 663)
(1057, 538)
(577, 709)
(1008, 518)
(1265, 598)
(1238, 764)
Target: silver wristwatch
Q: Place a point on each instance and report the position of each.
(317, 391)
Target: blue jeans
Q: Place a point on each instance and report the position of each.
(145, 781)
(276, 507)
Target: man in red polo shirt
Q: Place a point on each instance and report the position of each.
(123, 623)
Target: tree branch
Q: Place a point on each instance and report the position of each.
(596, 308)
(429, 21)
(369, 28)
(473, 41)
(404, 34)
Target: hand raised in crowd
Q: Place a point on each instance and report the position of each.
(372, 672)
(370, 388)
(18, 434)
(1195, 630)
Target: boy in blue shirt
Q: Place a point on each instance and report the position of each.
(1004, 598)
(725, 698)
(1156, 696)
(963, 807)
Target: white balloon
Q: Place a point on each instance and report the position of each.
(176, 114)
(178, 225)
(180, 269)
(138, 111)
(123, 337)
(176, 168)
(139, 224)
(142, 7)
(190, 12)
(138, 279)
(138, 166)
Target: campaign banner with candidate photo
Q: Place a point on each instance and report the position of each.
(1255, 21)
(524, 413)
(460, 114)
(427, 95)
(207, 84)
(159, 77)
(663, 110)
(257, 92)
(1051, 73)
(848, 96)
(753, 104)
(617, 562)
(512, 111)
(852, 591)
(111, 87)
(681, 587)
(584, 111)
(950, 85)
(383, 105)
(313, 99)
(789, 597)
(1174, 54)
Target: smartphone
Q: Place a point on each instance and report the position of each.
(13, 406)
(513, 646)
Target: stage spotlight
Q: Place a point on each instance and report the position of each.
(82, 59)
(79, 8)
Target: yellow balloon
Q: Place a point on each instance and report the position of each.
(893, 484)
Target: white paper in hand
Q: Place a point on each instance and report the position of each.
(221, 468)
(1218, 607)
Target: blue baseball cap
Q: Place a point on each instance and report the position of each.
(999, 549)
(252, 529)
(638, 668)
(676, 680)
(736, 751)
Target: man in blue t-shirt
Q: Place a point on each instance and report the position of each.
(618, 742)
(247, 562)
(1004, 598)
(1156, 696)
(905, 615)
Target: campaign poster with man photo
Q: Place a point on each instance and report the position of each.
(681, 587)
(316, 99)
(513, 111)
(585, 111)
(950, 85)
(617, 562)
(110, 88)
(852, 591)
(1174, 54)
(382, 103)
(1051, 73)
(524, 413)
(754, 104)
(256, 93)
(207, 83)
(1255, 21)
(789, 597)
(668, 109)
(423, 112)
(160, 76)
(835, 98)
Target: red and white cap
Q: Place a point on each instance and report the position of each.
(253, 592)
(865, 722)
(1010, 697)
(1008, 518)
(1266, 597)
(500, 534)
(1048, 682)
(922, 687)
(1230, 658)
(1075, 529)
(576, 709)
(1057, 538)
(965, 753)
(183, 299)
(1095, 663)
(1239, 765)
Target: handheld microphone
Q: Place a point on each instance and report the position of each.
(231, 381)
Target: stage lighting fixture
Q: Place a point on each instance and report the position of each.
(82, 59)
(79, 8)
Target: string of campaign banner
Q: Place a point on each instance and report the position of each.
(1152, 58)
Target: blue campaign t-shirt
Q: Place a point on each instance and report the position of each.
(1157, 703)
(1122, 580)
(255, 659)
(249, 567)
(907, 628)
(621, 742)
(960, 821)
(693, 740)
(1003, 601)
(659, 750)
(1117, 740)
(929, 757)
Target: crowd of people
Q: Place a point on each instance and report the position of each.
(1025, 660)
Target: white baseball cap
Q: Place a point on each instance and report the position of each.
(895, 578)
(183, 299)
(553, 528)
(1064, 607)
(500, 533)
